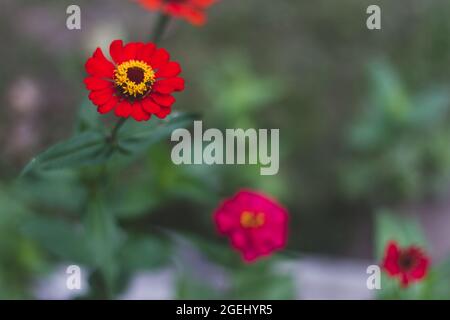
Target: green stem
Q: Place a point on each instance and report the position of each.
(115, 130)
(160, 27)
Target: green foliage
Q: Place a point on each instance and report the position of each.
(93, 147)
(63, 240)
(19, 257)
(87, 148)
(258, 280)
(398, 144)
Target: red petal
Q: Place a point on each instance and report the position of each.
(138, 113)
(146, 52)
(131, 49)
(149, 106)
(107, 107)
(93, 83)
(99, 66)
(116, 51)
(123, 109)
(404, 279)
(159, 58)
(164, 112)
(163, 100)
(421, 269)
(101, 96)
(167, 86)
(169, 70)
(196, 17)
(390, 263)
(151, 4)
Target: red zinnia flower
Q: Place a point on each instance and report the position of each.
(191, 10)
(256, 224)
(139, 83)
(409, 264)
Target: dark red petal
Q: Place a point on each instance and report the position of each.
(138, 113)
(169, 70)
(149, 106)
(123, 109)
(101, 96)
(93, 83)
(163, 100)
(116, 51)
(159, 58)
(145, 53)
(107, 107)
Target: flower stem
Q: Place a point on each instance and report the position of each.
(115, 130)
(160, 27)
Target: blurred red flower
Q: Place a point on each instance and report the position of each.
(408, 264)
(138, 83)
(255, 224)
(190, 10)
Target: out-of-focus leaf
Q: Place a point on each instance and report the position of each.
(143, 253)
(52, 189)
(104, 238)
(261, 282)
(59, 238)
(86, 148)
(137, 138)
(431, 108)
(88, 118)
(439, 279)
(388, 92)
(188, 288)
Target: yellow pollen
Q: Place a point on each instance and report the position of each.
(252, 220)
(134, 78)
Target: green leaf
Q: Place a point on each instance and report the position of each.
(86, 148)
(136, 139)
(191, 288)
(260, 281)
(439, 278)
(143, 253)
(104, 238)
(60, 190)
(59, 238)
(88, 118)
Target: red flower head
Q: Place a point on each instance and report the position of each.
(409, 264)
(190, 10)
(256, 224)
(139, 83)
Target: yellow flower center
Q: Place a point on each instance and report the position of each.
(134, 78)
(252, 219)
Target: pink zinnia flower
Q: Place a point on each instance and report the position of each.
(255, 224)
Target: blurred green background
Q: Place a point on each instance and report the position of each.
(364, 120)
